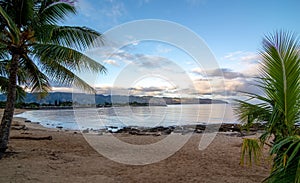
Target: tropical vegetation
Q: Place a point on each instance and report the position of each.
(36, 49)
(278, 107)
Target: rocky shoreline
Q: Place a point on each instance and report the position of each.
(235, 129)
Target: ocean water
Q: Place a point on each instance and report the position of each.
(150, 116)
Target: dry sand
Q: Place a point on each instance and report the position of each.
(69, 158)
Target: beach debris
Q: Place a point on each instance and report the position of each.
(59, 127)
(22, 127)
(27, 121)
(32, 137)
(86, 131)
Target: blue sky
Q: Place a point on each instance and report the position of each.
(232, 29)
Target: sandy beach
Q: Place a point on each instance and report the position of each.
(69, 158)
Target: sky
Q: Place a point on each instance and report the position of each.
(230, 30)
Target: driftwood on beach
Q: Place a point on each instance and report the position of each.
(32, 137)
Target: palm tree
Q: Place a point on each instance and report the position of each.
(279, 107)
(36, 50)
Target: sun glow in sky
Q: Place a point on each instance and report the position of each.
(232, 29)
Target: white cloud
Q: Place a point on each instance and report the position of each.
(114, 10)
(102, 14)
(163, 49)
(86, 8)
(111, 62)
(222, 72)
(252, 69)
(242, 56)
(198, 71)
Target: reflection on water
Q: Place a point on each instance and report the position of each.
(151, 116)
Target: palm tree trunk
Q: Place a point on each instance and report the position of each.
(10, 105)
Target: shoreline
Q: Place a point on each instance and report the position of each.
(230, 128)
(68, 157)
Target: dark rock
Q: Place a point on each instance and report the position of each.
(198, 131)
(86, 131)
(200, 127)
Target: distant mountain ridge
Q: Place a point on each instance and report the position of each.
(53, 97)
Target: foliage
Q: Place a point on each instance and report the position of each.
(252, 149)
(48, 51)
(36, 50)
(286, 166)
(279, 106)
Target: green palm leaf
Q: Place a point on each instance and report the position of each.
(35, 50)
(20, 93)
(62, 75)
(13, 32)
(280, 105)
(287, 160)
(67, 57)
(76, 37)
(35, 79)
(55, 12)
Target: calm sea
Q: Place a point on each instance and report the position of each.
(98, 118)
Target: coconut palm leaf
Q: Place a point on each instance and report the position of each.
(12, 30)
(279, 106)
(287, 160)
(252, 149)
(68, 57)
(20, 93)
(35, 79)
(281, 67)
(63, 75)
(35, 50)
(54, 12)
(76, 37)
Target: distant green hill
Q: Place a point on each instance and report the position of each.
(100, 99)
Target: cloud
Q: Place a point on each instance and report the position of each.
(107, 12)
(113, 10)
(223, 72)
(152, 91)
(242, 56)
(86, 8)
(226, 82)
(111, 62)
(137, 90)
(198, 71)
(252, 69)
(162, 49)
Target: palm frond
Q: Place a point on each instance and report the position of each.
(20, 92)
(281, 67)
(79, 38)
(249, 113)
(14, 32)
(251, 148)
(67, 57)
(3, 67)
(55, 12)
(287, 160)
(280, 81)
(64, 76)
(35, 79)
(24, 11)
